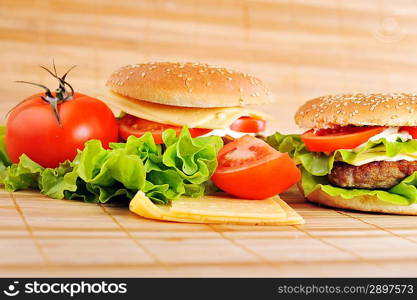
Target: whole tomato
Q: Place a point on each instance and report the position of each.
(50, 127)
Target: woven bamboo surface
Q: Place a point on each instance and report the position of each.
(302, 49)
(40, 236)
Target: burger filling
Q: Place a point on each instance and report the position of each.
(131, 125)
(356, 161)
(376, 172)
(374, 175)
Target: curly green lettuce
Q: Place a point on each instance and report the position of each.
(182, 166)
(315, 166)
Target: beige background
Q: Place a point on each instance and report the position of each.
(302, 49)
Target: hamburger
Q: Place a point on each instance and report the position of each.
(208, 100)
(359, 152)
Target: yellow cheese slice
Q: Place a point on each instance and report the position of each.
(193, 117)
(218, 209)
(221, 206)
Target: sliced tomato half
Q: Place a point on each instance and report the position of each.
(329, 140)
(412, 130)
(131, 125)
(248, 125)
(251, 169)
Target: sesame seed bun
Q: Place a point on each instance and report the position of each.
(399, 109)
(188, 84)
(366, 203)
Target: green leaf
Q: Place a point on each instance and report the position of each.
(24, 175)
(195, 160)
(180, 167)
(4, 159)
(54, 182)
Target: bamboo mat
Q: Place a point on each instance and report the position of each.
(301, 49)
(40, 236)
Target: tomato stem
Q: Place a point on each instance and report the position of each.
(61, 94)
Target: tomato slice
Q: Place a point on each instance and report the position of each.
(248, 125)
(329, 140)
(251, 169)
(412, 130)
(131, 125)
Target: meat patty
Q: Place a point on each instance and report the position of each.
(374, 175)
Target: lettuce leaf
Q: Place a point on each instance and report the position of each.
(316, 166)
(182, 166)
(320, 164)
(4, 159)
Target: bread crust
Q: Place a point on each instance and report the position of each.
(365, 203)
(397, 109)
(189, 85)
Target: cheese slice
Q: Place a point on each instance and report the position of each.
(218, 209)
(220, 206)
(193, 117)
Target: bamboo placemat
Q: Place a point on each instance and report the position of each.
(302, 49)
(40, 236)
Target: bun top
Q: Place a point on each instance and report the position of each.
(398, 109)
(188, 84)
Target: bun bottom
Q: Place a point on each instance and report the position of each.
(363, 203)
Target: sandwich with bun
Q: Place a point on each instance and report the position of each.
(208, 100)
(359, 152)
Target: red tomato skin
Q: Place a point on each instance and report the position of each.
(259, 182)
(251, 169)
(126, 128)
(334, 141)
(248, 125)
(32, 129)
